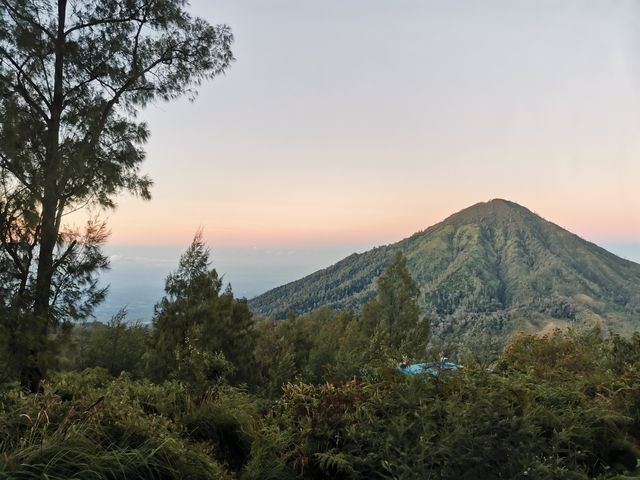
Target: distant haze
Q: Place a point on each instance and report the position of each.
(138, 273)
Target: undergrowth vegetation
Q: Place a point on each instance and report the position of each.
(92, 425)
(207, 392)
(563, 406)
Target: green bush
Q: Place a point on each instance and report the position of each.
(91, 425)
(561, 406)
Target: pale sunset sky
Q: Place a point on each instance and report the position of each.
(348, 124)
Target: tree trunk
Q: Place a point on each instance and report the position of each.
(33, 369)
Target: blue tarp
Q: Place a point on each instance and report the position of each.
(432, 368)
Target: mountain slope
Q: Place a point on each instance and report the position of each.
(494, 265)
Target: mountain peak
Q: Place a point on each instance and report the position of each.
(498, 202)
(493, 208)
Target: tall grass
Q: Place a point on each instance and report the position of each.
(92, 427)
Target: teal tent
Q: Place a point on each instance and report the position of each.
(432, 368)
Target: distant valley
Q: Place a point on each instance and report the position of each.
(138, 272)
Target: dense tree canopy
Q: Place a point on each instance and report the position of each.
(72, 77)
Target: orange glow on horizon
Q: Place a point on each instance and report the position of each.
(303, 231)
(368, 143)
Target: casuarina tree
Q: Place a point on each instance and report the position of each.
(73, 75)
(393, 318)
(197, 316)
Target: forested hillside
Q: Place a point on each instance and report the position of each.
(493, 266)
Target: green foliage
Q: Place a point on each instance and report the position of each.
(552, 409)
(322, 346)
(225, 425)
(93, 426)
(201, 368)
(348, 284)
(117, 346)
(274, 356)
(393, 317)
(196, 325)
(565, 405)
(326, 345)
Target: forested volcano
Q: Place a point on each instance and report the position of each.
(495, 266)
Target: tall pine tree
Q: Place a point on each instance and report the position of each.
(393, 319)
(197, 314)
(72, 77)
